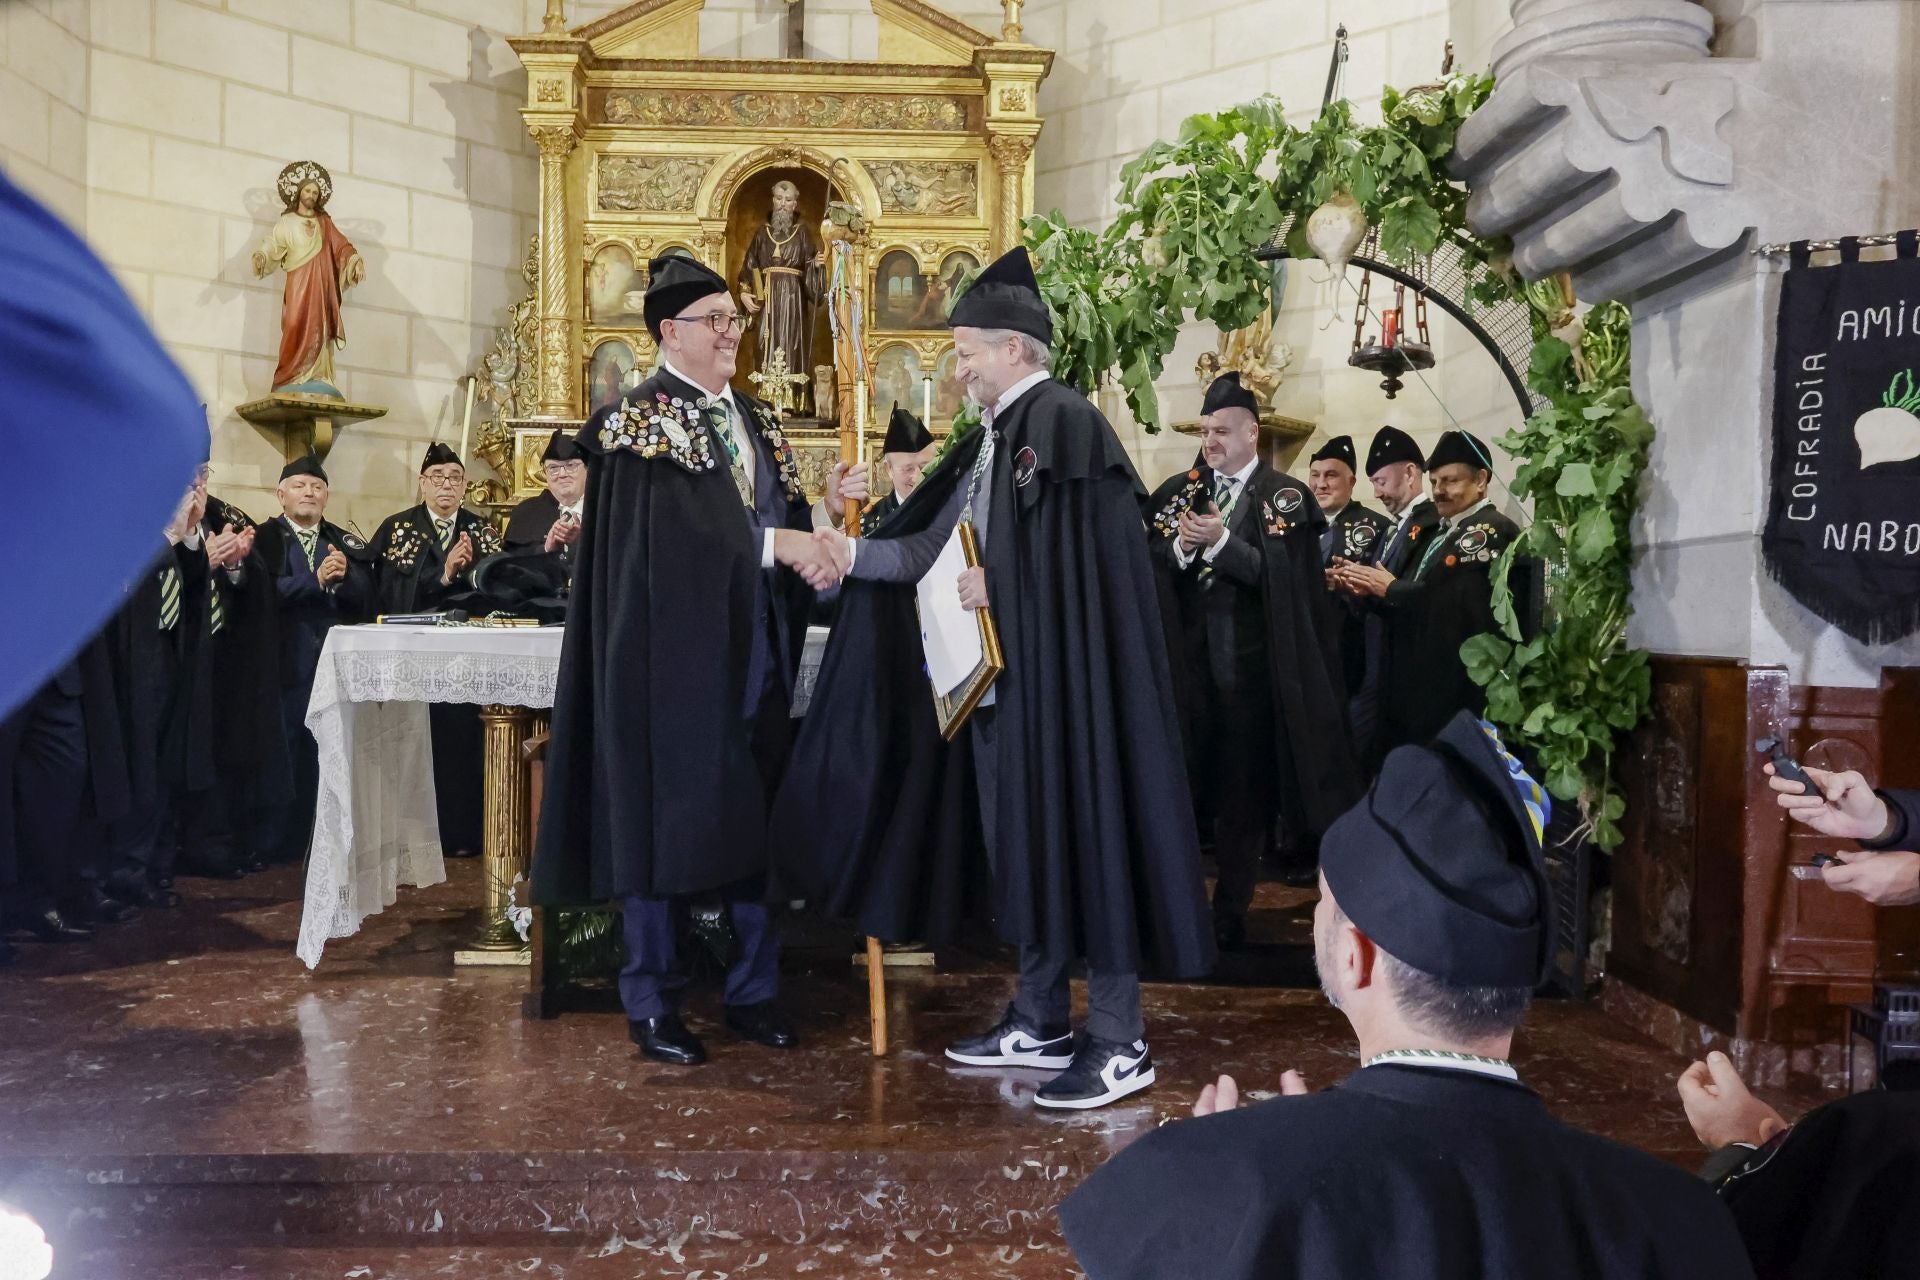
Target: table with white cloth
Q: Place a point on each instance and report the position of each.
(374, 826)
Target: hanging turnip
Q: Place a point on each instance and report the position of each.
(1891, 433)
(1335, 230)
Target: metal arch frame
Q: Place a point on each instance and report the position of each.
(1529, 403)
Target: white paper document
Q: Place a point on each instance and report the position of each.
(949, 632)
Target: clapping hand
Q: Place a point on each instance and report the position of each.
(1224, 1095)
(458, 559)
(333, 567)
(225, 548)
(1197, 530)
(1720, 1107)
(564, 533)
(1360, 579)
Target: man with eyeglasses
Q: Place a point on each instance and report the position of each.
(671, 720)
(551, 520)
(424, 555)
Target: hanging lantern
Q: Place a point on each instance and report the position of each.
(1394, 352)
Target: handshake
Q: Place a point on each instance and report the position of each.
(822, 557)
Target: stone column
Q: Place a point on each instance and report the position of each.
(557, 339)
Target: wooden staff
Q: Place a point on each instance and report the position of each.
(851, 394)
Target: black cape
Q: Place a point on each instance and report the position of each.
(1836, 1195)
(1097, 852)
(871, 518)
(1444, 598)
(164, 682)
(406, 548)
(531, 519)
(248, 744)
(1396, 1173)
(652, 786)
(869, 766)
(1358, 535)
(1312, 753)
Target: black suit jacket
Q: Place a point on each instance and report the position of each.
(307, 611)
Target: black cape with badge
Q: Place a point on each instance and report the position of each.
(869, 765)
(406, 549)
(1312, 753)
(1396, 1173)
(652, 786)
(247, 742)
(1444, 599)
(1097, 853)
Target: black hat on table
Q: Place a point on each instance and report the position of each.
(1005, 296)
(306, 465)
(1338, 449)
(438, 454)
(1459, 446)
(675, 282)
(1441, 864)
(560, 448)
(1225, 392)
(1391, 445)
(906, 433)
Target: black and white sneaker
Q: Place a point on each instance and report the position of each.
(1016, 1042)
(1103, 1071)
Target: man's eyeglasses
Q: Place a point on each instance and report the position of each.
(721, 322)
(445, 482)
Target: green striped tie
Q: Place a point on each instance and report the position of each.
(169, 597)
(446, 532)
(309, 543)
(216, 612)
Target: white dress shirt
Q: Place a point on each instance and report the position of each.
(737, 425)
(1238, 480)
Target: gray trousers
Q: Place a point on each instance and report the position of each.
(1042, 995)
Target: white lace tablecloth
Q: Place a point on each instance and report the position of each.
(374, 827)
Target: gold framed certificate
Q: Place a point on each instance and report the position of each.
(962, 645)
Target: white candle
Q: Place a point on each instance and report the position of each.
(926, 401)
(466, 423)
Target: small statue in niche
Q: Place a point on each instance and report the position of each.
(784, 276)
(321, 265)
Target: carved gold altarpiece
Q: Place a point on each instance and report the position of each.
(646, 146)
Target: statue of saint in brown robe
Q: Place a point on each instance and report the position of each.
(781, 282)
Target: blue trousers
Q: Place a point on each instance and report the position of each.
(653, 979)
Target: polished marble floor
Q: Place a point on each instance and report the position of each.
(183, 1099)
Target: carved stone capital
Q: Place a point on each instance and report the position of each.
(556, 141)
(1623, 30)
(1010, 150)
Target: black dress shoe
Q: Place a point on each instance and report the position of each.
(463, 853)
(218, 873)
(100, 909)
(163, 882)
(8, 953)
(762, 1024)
(666, 1039)
(51, 926)
(1229, 930)
(253, 865)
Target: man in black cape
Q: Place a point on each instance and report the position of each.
(1444, 597)
(1256, 632)
(1433, 1160)
(1836, 1194)
(670, 722)
(321, 576)
(551, 520)
(424, 557)
(234, 829)
(909, 448)
(1351, 529)
(1397, 469)
(1089, 834)
(163, 677)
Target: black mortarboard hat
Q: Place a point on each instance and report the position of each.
(1005, 296)
(1225, 392)
(1441, 864)
(560, 448)
(1459, 446)
(906, 433)
(1340, 448)
(1391, 445)
(675, 282)
(305, 465)
(438, 453)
